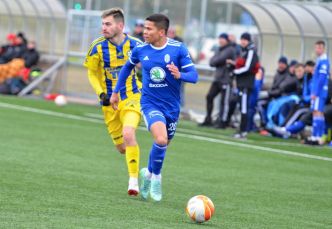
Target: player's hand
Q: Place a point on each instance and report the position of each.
(105, 99)
(114, 100)
(174, 70)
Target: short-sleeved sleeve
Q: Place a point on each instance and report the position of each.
(133, 56)
(185, 58)
(323, 68)
(92, 59)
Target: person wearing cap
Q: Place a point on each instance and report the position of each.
(138, 30)
(222, 81)
(279, 78)
(7, 49)
(282, 95)
(291, 68)
(246, 67)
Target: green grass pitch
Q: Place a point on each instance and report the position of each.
(64, 172)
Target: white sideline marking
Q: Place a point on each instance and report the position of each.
(263, 148)
(46, 112)
(195, 137)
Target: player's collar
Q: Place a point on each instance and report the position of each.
(124, 41)
(160, 48)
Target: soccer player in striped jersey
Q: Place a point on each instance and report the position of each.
(104, 60)
(166, 63)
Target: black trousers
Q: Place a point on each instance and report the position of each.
(307, 117)
(215, 89)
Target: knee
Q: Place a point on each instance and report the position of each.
(129, 136)
(161, 140)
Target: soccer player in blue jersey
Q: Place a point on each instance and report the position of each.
(165, 64)
(319, 93)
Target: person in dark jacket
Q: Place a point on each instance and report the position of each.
(279, 79)
(291, 68)
(31, 55)
(222, 81)
(246, 67)
(14, 50)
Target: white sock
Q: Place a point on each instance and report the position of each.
(156, 177)
(148, 174)
(133, 180)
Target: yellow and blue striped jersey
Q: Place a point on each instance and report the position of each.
(106, 59)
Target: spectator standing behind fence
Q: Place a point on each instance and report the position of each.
(222, 81)
(246, 67)
(138, 30)
(237, 47)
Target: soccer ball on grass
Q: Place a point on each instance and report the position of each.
(200, 208)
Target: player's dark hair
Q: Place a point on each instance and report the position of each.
(310, 63)
(320, 42)
(116, 13)
(160, 20)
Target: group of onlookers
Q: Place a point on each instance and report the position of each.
(17, 59)
(300, 93)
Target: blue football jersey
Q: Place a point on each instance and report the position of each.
(321, 77)
(160, 88)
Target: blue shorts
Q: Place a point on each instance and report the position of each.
(153, 114)
(318, 104)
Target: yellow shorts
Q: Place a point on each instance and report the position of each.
(128, 114)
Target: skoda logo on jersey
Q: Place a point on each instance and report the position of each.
(157, 74)
(167, 58)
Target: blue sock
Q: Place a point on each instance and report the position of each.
(296, 127)
(315, 126)
(321, 126)
(150, 164)
(157, 155)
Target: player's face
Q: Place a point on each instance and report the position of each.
(319, 49)
(111, 28)
(152, 34)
